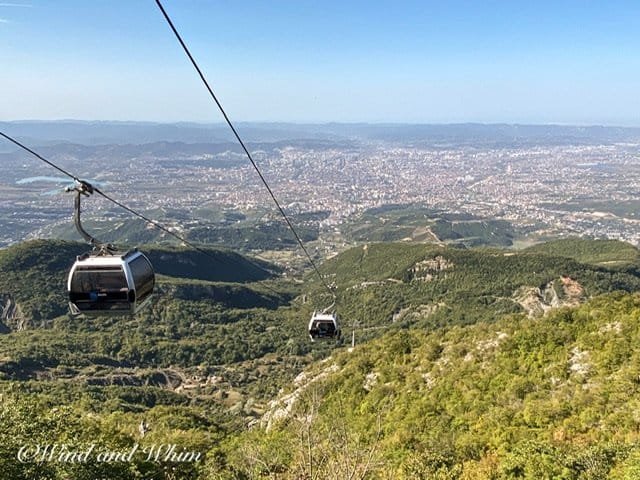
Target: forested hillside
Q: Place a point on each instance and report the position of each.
(210, 314)
(469, 363)
(428, 285)
(555, 397)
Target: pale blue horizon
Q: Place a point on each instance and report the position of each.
(567, 62)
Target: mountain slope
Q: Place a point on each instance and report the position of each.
(207, 310)
(597, 252)
(33, 274)
(555, 397)
(451, 376)
(387, 284)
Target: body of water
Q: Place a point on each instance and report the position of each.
(63, 180)
(43, 179)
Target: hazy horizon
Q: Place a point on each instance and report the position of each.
(318, 123)
(301, 62)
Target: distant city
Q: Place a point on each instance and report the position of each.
(546, 181)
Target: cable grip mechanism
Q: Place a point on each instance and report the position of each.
(83, 188)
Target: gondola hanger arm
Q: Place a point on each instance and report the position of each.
(85, 188)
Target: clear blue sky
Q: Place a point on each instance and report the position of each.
(571, 62)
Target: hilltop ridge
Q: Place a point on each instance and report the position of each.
(427, 285)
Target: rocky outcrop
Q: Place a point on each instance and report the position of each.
(11, 316)
(282, 407)
(562, 292)
(427, 269)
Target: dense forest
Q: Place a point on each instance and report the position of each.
(468, 363)
(555, 397)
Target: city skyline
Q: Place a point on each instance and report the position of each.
(375, 62)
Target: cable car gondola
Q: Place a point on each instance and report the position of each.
(110, 284)
(106, 281)
(323, 326)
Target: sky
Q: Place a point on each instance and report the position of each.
(448, 61)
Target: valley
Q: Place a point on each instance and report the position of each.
(490, 289)
(524, 181)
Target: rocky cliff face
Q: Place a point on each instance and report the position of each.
(11, 316)
(562, 292)
(428, 269)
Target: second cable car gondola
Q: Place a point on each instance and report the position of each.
(106, 281)
(324, 326)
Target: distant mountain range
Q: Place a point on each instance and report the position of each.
(38, 133)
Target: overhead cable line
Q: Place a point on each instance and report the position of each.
(246, 150)
(37, 155)
(150, 221)
(159, 226)
(179, 237)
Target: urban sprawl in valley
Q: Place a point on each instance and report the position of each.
(556, 189)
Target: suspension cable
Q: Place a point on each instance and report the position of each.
(242, 144)
(37, 155)
(150, 221)
(109, 198)
(179, 237)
